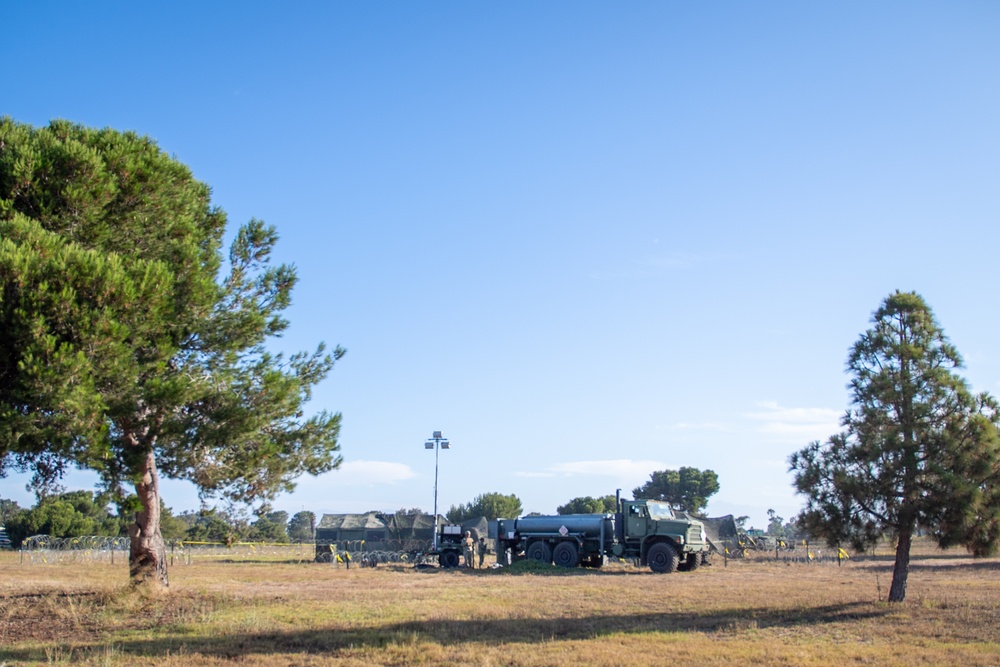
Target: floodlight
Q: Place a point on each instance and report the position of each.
(437, 443)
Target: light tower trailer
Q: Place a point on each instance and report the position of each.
(646, 530)
(449, 548)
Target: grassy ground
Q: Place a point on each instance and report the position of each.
(267, 611)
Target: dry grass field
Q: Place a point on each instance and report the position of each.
(274, 611)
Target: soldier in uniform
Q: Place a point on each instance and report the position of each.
(481, 547)
(469, 547)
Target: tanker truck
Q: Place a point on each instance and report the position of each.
(646, 530)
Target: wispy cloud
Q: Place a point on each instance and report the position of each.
(796, 423)
(365, 473)
(609, 468)
(625, 472)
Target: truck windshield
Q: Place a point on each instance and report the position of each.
(660, 511)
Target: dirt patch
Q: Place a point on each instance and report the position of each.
(91, 615)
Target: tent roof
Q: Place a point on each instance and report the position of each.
(367, 521)
(411, 521)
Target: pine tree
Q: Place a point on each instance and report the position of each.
(302, 526)
(918, 449)
(121, 352)
(590, 505)
(686, 489)
(490, 505)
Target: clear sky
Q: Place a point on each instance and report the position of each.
(585, 240)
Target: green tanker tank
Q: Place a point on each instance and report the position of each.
(646, 530)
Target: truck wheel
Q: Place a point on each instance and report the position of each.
(662, 558)
(539, 551)
(566, 555)
(692, 562)
(448, 559)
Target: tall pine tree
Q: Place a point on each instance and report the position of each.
(122, 349)
(918, 449)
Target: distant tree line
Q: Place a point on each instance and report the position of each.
(685, 490)
(784, 530)
(489, 505)
(589, 505)
(79, 513)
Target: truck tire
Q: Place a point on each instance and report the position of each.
(539, 551)
(662, 558)
(448, 559)
(691, 563)
(566, 555)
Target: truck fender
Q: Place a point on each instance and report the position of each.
(648, 543)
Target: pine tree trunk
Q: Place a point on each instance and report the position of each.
(148, 555)
(901, 570)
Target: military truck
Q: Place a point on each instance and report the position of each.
(646, 530)
(449, 547)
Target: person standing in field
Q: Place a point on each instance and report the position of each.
(469, 547)
(482, 550)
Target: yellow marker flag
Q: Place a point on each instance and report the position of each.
(843, 554)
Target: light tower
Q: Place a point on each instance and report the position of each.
(437, 442)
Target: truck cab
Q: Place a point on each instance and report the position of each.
(653, 531)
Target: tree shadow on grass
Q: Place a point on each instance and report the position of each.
(456, 632)
(969, 566)
(262, 561)
(939, 565)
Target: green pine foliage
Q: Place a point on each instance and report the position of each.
(302, 526)
(488, 505)
(589, 505)
(271, 527)
(918, 449)
(687, 489)
(124, 351)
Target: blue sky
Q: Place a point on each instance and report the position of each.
(585, 240)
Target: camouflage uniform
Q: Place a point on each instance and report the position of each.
(469, 547)
(482, 550)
